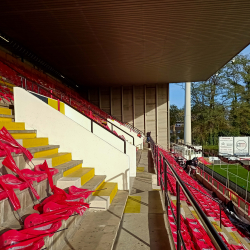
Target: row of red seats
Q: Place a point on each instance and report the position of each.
(210, 207)
(194, 235)
(12, 70)
(81, 104)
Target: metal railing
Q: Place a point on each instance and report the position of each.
(112, 129)
(162, 164)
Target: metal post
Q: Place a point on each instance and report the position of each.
(91, 126)
(213, 169)
(220, 215)
(25, 84)
(227, 177)
(246, 188)
(178, 213)
(158, 184)
(237, 178)
(165, 184)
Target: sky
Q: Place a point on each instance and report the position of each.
(177, 91)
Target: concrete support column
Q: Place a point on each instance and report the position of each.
(187, 119)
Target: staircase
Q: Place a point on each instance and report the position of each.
(70, 173)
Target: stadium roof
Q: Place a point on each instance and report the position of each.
(108, 42)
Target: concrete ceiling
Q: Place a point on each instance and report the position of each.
(108, 42)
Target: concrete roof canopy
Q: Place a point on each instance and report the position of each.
(130, 42)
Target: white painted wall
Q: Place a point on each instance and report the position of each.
(103, 134)
(72, 137)
(77, 117)
(108, 137)
(138, 141)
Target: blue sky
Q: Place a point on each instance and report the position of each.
(177, 89)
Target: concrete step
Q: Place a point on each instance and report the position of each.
(33, 142)
(94, 183)
(103, 198)
(6, 83)
(5, 111)
(6, 118)
(41, 151)
(98, 230)
(54, 159)
(26, 199)
(23, 134)
(15, 223)
(69, 167)
(13, 125)
(76, 178)
(6, 105)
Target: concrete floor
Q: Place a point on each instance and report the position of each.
(143, 226)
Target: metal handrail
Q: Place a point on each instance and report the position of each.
(216, 239)
(122, 131)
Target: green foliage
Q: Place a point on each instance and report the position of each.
(221, 105)
(176, 115)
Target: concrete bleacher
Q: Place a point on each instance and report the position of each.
(70, 173)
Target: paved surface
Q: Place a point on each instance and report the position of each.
(143, 225)
(99, 228)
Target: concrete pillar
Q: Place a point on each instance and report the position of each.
(187, 119)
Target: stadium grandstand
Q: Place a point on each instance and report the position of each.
(86, 159)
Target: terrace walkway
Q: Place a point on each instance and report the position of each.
(143, 226)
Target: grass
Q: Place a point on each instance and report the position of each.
(241, 180)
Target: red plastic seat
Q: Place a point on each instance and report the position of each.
(14, 182)
(41, 168)
(3, 194)
(37, 176)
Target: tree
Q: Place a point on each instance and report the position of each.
(221, 105)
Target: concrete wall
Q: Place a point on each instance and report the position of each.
(72, 137)
(144, 107)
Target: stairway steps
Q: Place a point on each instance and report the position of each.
(26, 199)
(22, 131)
(38, 149)
(5, 111)
(95, 182)
(76, 178)
(6, 105)
(12, 125)
(99, 229)
(54, 159)
(6, 118)
(103, 198)
(68, 166)
(33, 142)
(23, 135)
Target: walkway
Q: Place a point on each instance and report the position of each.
(142, 226)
